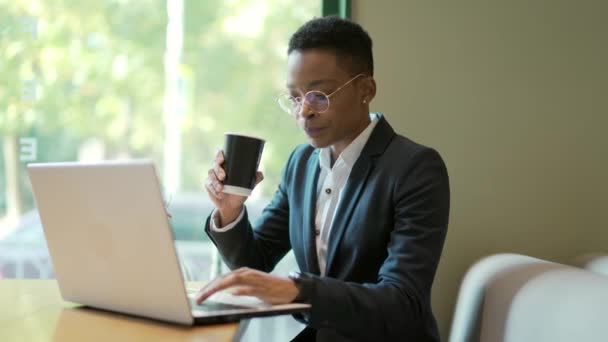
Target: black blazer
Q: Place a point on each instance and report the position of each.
(385, 241)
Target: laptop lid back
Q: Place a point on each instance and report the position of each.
(109, 237)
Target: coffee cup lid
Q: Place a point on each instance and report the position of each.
(244, 135)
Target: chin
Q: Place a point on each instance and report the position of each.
(318, 143)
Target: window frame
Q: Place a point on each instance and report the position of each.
(341, 8)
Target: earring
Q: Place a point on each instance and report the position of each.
(364, 101)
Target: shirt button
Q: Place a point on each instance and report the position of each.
(328, 191)
(317, 232)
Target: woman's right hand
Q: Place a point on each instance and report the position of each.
(229, 206)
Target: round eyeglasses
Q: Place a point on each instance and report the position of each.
(316, 100)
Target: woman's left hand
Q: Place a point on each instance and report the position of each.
(249, 282)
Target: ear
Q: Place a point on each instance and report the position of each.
(369, 89)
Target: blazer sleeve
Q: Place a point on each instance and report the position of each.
(260, 246)
(397, 306)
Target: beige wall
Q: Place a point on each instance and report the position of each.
(514, 96)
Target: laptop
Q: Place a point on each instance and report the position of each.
(112, 246)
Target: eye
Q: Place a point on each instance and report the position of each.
(319, 97)
(316, 97)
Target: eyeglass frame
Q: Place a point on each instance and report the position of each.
(299, 106)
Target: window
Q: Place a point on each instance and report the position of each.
(124, 79)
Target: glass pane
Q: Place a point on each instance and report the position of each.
(124, 79)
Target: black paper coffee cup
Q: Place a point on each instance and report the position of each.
(242, 154)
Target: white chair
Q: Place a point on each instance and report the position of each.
(596, 262)
(516, 298)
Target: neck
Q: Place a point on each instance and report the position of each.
(337, 148)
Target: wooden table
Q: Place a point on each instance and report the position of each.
(32, 310)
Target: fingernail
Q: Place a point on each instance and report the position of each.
(200, 298)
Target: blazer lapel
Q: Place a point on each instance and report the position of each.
(350, 197)
(310, 206)
(378, 141)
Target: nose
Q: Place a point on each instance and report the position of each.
(305, 110)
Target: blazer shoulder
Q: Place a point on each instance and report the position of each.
(406, 150)
(300, 155)
(297, 162)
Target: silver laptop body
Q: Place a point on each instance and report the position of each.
(112, 246)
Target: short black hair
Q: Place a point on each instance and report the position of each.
(344, 37)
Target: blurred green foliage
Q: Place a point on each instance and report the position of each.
(98, 68)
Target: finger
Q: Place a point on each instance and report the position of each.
(220, 174)
(211, 174)
(219, 157)
(211, 190)
(217, 184)
(211, 289)
(240, 277)
(218, 160)
(245, 291)
(214, 194)
(222, 283)
(259, 176)
(219, 171)
(204, 292)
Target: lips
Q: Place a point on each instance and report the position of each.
(314, 132)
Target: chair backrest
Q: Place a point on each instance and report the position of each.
(516, 298)
(595, 262)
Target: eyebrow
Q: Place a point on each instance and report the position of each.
(313, 84)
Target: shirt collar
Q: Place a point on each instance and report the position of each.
(352, 152)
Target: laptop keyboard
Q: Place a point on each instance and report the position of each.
(228, 301)
(210, 305)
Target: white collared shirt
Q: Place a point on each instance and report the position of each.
(330, 186)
